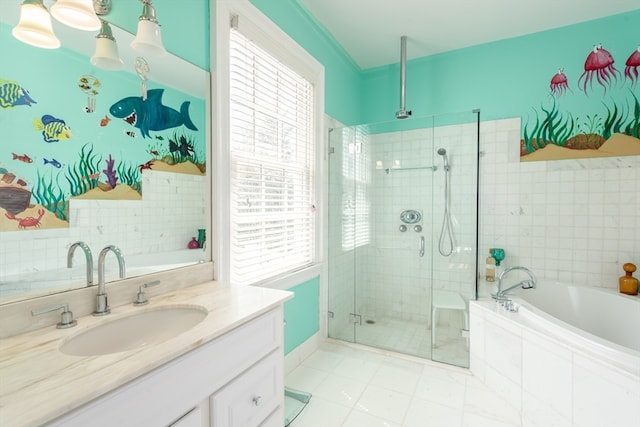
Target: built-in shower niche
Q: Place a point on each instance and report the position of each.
(381, 278)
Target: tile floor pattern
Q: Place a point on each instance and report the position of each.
(355, 386)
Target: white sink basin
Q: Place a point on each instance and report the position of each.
(134, 331)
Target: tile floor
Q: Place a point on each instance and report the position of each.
(357, 386)
(412, 338)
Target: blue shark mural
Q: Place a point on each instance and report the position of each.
(149, 114)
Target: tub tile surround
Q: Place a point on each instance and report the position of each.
(549, 381)
(36, 375)
(573, 221)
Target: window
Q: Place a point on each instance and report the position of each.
(272, 147)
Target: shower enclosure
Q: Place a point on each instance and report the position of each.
(398, 267)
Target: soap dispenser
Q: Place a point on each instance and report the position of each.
(628, 283)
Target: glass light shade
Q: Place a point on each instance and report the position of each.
(76, 14)
(148, 39)
(34, 27)
(106, 55)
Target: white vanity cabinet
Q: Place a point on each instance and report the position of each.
(236, 380)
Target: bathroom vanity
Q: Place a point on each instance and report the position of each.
(225, 371)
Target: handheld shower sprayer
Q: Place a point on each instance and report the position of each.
(446, 242)
(443, 153)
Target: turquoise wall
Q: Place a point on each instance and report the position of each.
(506, 78)
(302, 314)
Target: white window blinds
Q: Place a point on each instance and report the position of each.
(272, 148)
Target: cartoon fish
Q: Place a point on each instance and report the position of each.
(184, 148)
(154, 152)
(91, 177)
(53, 162)
(159, 138)
(12, 95)
(150, 114)
(130, 133)
(23, 158)
(105, 121)
(53, 129)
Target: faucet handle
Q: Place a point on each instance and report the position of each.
(66, 321)
(141, 299)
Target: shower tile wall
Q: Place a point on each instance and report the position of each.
(396, 281)
(575, 221)
(136, 226)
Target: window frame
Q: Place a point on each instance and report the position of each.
(270, 37)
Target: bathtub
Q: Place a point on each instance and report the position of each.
(569, 356)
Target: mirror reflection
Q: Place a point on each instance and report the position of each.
(99, 157)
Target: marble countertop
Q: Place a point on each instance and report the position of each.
(38, 383)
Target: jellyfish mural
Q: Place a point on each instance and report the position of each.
(599, 63)
(632, 64)
(559, 83)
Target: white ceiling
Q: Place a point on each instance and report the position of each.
(370, 30)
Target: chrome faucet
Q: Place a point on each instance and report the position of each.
(524, 284)
(88, 257)
(102, 305)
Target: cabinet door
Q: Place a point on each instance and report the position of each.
(249, 399)
(192, 419)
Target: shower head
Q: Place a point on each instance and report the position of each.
(443, 153)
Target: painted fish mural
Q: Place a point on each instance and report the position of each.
(52, 162)
(24, 158)
(12, 95)
(53, 129)
(150, 115)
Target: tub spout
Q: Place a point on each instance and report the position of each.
(524, 284)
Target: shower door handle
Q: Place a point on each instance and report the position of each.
(421, 247)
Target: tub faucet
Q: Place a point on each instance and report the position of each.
(102, 305)
(524, 284)
(88, 257)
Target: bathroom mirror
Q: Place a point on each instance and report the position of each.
(154, 227)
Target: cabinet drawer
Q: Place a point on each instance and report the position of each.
(249, 399)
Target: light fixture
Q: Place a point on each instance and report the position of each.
(106, 54)
(76, 14)
(34, 27)
(148, 38)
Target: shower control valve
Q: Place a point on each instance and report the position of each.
(403, 228)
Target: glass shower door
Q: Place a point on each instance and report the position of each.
(380, 237)
(398, 278)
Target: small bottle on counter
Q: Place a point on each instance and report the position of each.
(628, 283)
(490, 268)
(193, 244)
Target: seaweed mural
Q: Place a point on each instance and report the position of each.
(83, 175)
(49, 195)
(562, 129)
(130, 176)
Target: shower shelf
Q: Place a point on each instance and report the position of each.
(388, 170)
